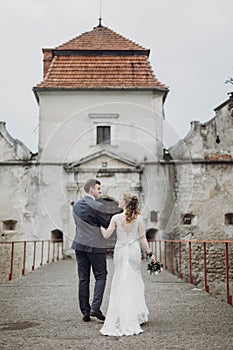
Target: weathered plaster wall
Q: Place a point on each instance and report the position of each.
(202, 180)
(68, 124)
(10, 148)
(18, 199)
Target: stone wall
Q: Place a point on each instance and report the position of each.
(201, 181)
(215, 266)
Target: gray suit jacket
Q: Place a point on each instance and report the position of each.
(89, 215)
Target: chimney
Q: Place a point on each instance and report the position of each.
(48, 56)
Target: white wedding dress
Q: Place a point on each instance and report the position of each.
(127, 308)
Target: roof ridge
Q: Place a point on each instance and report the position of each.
(124, 37)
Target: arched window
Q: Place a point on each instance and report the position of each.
(150, 234)
(56, 235)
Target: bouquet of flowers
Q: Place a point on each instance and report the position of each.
(154, 267)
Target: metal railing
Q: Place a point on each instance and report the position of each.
(209, 257)
(40, 252)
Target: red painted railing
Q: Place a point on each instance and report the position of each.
(180, 253)
(36, 251)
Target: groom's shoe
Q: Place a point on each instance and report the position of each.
(98, 314)
(86, 318)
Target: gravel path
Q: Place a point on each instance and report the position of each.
(40, 311)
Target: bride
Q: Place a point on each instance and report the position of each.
(127, 308)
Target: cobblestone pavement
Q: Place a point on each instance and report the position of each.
(40, 311)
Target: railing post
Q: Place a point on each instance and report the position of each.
(190, 263)
(205, 268)
(42, 253)
(180, 260)
(228, 296)
(165, 254)
(171, 258)
(12, 262)
(24, 257)
(34, 256)
(48, 252)
(58, 244)
(62, 249)
(53, 252)
(160, 251)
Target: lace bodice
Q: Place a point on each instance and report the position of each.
(127, 232)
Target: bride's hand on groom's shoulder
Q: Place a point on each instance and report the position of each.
(104, 232)
(107, 232)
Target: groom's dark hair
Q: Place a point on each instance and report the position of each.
(91, 183)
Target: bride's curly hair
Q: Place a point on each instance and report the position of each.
(132, 209)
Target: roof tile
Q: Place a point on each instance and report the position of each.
(100, 72)
(100, 38)
(100, 58)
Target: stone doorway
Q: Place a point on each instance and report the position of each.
(111, 208)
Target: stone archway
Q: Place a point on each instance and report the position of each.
(111, 208)
(151, 237)
(151, 234)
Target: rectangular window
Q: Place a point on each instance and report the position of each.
(9, 225)
(103, 134)
(153, 216)
(229, 219)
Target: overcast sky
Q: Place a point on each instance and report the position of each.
(190, 43)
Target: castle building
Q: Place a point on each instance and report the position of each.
(101, 114)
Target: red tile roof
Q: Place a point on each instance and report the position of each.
(100, 72)
(100, 38)
(100, 59)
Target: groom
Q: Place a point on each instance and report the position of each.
(89, 246)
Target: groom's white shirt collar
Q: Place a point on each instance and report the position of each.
(89, 195)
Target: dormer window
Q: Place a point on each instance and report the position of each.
(103, 135)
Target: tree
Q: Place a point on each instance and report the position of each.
(229, 81)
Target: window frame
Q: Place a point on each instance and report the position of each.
(103, 134)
